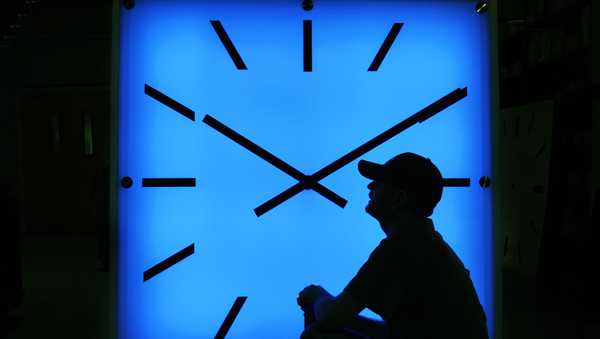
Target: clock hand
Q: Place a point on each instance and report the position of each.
(307, 182)
(169, 102)
(419, 117)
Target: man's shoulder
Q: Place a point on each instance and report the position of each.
(412, 243)
(393, 246)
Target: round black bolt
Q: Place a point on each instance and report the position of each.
(126, 182)
(307, 5)
(484, 182)
(129, 4)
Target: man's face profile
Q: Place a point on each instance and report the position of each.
(385, 201)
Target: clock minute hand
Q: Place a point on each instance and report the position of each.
(418, 117)
(306, 181)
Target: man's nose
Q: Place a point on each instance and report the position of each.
(371, 185)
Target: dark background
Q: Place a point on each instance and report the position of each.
(55, 67)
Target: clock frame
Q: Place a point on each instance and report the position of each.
(313, 190)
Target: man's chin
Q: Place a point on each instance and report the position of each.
(369, 209)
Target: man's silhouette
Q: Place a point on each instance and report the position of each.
(412, 279)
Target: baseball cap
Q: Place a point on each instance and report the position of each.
(412, 172)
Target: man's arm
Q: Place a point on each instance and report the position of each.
(336, 312)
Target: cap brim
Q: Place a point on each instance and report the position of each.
(370, 170)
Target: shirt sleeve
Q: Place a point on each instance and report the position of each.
(376, 275)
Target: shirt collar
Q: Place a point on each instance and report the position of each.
(424, 226)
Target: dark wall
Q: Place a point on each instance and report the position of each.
(8, 121)
(10, 252)
(596, 96)
(63, 62)
(545, 53)
(58, 178)
(593, 233)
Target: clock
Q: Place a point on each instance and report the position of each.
(239, 126)
(526, 143)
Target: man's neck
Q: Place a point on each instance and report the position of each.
(402, 224)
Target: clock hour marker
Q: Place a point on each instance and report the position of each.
(385, 47)
(540, 151)
(424, 114)
(307, 45)
(230, 318)
(168, 182)
(456, 182)
(273, 160)
(167, 101)
(167, 263)
(233, 53)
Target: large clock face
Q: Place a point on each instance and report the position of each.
(233, 118)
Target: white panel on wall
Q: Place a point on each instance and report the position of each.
(526, 137)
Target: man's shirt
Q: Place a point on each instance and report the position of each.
(420, 288)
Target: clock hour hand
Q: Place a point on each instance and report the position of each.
(418, 117)
(307, 182)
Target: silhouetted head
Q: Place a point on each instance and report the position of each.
(408, 186)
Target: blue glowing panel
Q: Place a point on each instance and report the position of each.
(225, 105)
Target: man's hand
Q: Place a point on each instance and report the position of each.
(310, 294)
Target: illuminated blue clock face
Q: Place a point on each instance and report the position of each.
(233, 118)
